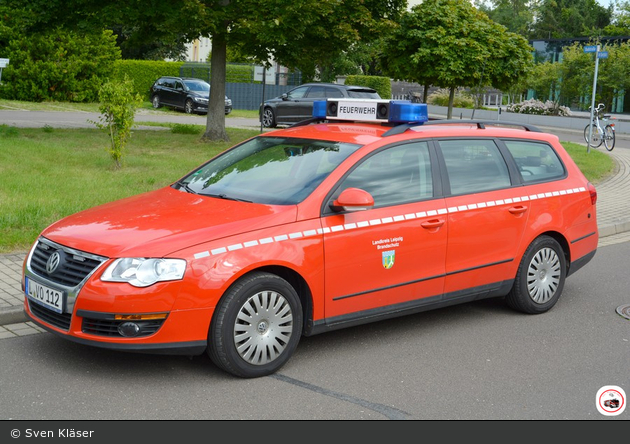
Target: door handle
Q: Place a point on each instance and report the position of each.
(518, 210)
(432, 224)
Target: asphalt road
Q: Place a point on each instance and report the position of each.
(72, 119)
(478, 361)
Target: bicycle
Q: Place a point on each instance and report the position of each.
(599, 134)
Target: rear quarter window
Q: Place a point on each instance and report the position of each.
(536, 161)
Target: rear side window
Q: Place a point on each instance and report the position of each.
(333, 92)
(474, 166)
(316, 92)
(536, 161)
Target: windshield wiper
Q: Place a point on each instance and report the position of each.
(226, 197)
(185, 187)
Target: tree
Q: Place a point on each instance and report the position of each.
(621, 20)
(303, 35)
(570, 18)
(450, 44)
(516, 15)
(118, 110)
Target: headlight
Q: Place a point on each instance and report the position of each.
(200, 99)
(141, 272)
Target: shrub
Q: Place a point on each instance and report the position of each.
(118, 108)
(382, 85)
(533, 106)
(58, 65)
(441, 98)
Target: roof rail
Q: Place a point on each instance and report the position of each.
(481, 124)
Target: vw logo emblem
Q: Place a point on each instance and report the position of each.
(53, 262)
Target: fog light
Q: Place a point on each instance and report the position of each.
(129, 329)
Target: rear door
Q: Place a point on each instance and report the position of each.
(389, 257)
(486, 217)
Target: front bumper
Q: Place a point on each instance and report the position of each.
(173, 336)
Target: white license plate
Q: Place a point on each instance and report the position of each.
(46, 296)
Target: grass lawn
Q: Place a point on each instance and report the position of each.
(49, 173)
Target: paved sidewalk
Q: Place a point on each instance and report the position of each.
(613, 217)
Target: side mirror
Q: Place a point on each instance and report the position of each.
(284, 96)
(352, 199)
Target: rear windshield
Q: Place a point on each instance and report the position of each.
(363, 94)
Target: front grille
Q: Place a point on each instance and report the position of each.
(106, 327)
(61, 321)
(73, 267)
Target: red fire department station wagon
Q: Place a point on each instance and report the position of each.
(365, 212)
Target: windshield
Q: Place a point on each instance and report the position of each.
(268, 170)
(196, 85)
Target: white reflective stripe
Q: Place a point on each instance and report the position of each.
(384, 220)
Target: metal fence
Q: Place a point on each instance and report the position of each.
(241, 85)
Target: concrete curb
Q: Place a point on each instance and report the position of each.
(13, 315)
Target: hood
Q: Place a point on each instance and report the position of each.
(161, 222)
(202, 94)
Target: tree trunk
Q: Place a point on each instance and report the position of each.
(215, 123)
(451, 99)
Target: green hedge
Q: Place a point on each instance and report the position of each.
(381, 84)
(57, 65)
(144, 72)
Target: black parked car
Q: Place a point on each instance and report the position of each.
(188, 94)
(297, 104)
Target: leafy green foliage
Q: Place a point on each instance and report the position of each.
(570, 81)
(441, 97)
(450, 44)
(570, 18)
(381, 84)
(118, 108)
(58, 65)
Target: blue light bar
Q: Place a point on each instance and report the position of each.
(371, 110)
(319, 109)
(404, 111)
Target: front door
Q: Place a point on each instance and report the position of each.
(390, 256)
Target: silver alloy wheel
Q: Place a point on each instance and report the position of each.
(156, 101)
(189, 106)
(543, 275)
(263, 327)
(267, 117)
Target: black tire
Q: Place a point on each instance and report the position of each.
(268, 118)
(609, 137)
(256, 326)
(596, 139)
(188, 107)
(155, 101)
(540, 277)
